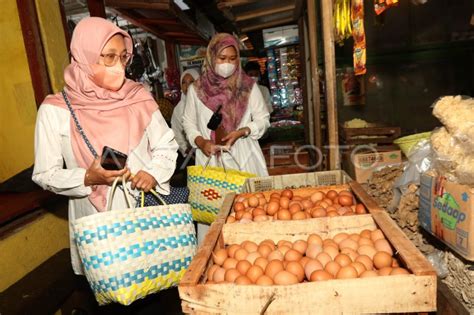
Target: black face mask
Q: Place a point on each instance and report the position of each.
(215, 120)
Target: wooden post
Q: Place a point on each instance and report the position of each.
(330, 73)
(171, 55)
(34, 49)
(313, 48)
(96, 8)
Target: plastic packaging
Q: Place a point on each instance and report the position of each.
(436, 258)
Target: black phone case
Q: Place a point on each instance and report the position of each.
(215, 120)
(113, 160)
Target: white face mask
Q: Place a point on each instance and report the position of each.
(225, 70)
(255, 79)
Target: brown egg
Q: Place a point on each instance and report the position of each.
(297, 198)
(318, 212)
(304, 260)
(232, 249)
(264, 250)
(275, 195)
(395, 263)
(239, 206)
(366, 261)
(231, 275)
(283, 214)
(284, 202)
(293, 255)
(219, 275)
(317, 196)
(264, 280)
(367, 250)
(344, 200)
(345, 193)
(268, 242)
(247, 215)
(275, 255)
(210, 282)
(246, 203)
(338, 238)
(241, 254)
(332, 214)
(219, 256)
(230, 219)
(300, 246)
(320, 275)
(343, 211)
(369, 274)
(253, 201)
(349, 243)
(331, 251)
(376, 235)
(287, 193)
(313, 250)
(307, 204)
(211, 270)
(365, 241)
(249, 246)
(382, 259)
(382, 245)
(399, 271)
(315, 239)
(260, 218)
(254, 273)
(332, 194)
(239, 214)
(322, 204)
(230, 263)
(360, 209)
(328, 202)
(243, 266)
(295, 208)
(301, 215)
(273, 268)
(360, 267)
(262, 201)
(385, 271)
(354, 237)
(284, 248)
(284, 243)
(311, 266)
(243, 280)
(258, 212)
(365, 233)
(350, 252)
(343, 260)
(332, 267)
(251, 257)
(273, 207)
(347, 272)
(295, 268)
(285, 278)
(323, 258)
(261, 262)
(331, 208)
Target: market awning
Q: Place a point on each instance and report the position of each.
(164, 19)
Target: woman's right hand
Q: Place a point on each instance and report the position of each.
(97, 175)
(207, 146)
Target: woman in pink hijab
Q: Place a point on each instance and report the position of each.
(111, 111)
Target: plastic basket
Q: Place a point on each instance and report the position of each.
(406, 143)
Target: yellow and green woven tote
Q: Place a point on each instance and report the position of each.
(130, 253)
(208, 187)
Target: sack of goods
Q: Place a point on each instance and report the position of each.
(130, 253)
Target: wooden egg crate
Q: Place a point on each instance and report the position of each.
(376, 133)
(384, 294)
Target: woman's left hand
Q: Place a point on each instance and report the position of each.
(143, 181)
(234, 136)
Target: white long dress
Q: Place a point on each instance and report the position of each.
(177, 125)
(246, 151)
(155, 154)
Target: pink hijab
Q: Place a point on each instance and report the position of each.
(117, 119)
(232, 93)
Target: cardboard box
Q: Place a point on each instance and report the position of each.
(361, 164)
(446, 211)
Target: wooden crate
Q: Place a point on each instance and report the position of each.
(374, 134)
(313, 179)
(408, 293)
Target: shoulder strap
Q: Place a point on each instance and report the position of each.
(78, 126)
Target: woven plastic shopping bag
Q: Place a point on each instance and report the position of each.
(208, 187)
(130, 253)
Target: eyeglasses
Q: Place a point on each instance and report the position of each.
(111, 59)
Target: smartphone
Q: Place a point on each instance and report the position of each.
(113, 160)
(215, 120)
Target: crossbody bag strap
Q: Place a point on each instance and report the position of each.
(78, 126)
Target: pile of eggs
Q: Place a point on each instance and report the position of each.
(345, 256)
(287, 206)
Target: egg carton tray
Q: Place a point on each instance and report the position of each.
(394, 294)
